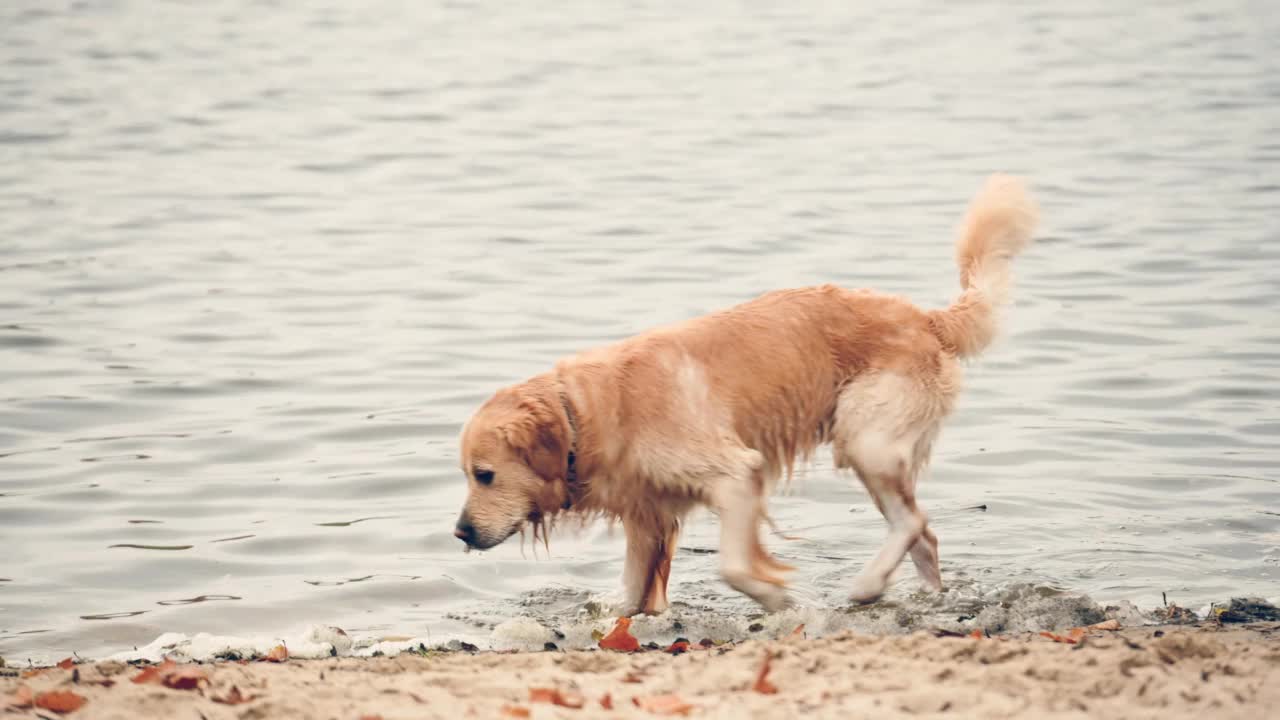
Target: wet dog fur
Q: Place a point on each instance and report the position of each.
(716, 410)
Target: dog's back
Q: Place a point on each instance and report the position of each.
(771, 370)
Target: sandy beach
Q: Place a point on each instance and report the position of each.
(1171, 671)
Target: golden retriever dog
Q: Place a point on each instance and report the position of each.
(716, 410)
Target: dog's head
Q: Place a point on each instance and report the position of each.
(515, 454)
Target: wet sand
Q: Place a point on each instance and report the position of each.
(1172, 671)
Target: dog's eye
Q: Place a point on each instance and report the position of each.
(484, 477)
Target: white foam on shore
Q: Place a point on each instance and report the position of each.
(317, 641)
(1020, 608)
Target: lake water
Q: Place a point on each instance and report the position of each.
(260, 260)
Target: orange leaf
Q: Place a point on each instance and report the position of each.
(67, 664)
(663, 704)
(278, 653)
(1111, 624)
(188, 677)
(1076, 633)
(606, 701)
(976, 635)
(543, 695)
(32, 673)
(554, 696)
(762, 685)
(620, 638)
(60, 701)
(21, 697)
(154, 673)
(515, 711)
(1058, 638)
(233, 697)
(799, 631)
(148, 675)
(679, 646)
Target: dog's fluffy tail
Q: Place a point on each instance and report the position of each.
(998, 225)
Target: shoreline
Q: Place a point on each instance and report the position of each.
(1144, 671)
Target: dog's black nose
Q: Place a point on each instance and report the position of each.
(465, 531)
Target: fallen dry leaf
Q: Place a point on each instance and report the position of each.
(606, 701)
(1076, 633)
(233, 697)
(1058, 638)
(188, 677)
(148, 675)
(21, 698)
(66, 664)
(32, 673)
(171, 675)
(976, 635)
(278, 653)
(679, 646)
(60, 701)
(620, 638)
(762, 684)
(515, 711)
(154, 673)
(543, 695)
(555, 696)
(799, 631)
(663, 704)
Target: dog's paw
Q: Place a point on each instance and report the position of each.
(772, 598)
(777, 602)
(867, 589)
(929, 575)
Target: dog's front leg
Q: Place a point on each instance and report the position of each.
(742, 559)
(648, 566)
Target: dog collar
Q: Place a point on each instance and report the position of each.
(571, 473)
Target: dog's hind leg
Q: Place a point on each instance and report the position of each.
(924, 555)
(885, 426)
(906, 526)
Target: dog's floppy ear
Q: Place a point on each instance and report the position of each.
(540, 433)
